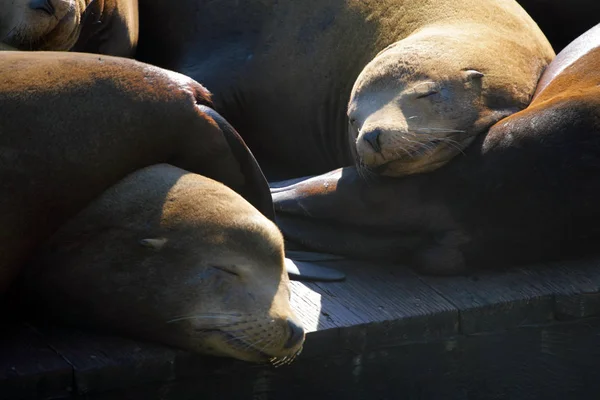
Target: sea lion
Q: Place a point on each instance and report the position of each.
(92, 26)
(173, 257)
(527, 191)
(72, 125)
(584, 44)
(282, 72)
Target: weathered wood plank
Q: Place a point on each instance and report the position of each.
(490, 301)
(575, 285)
(29, 368)
(382, 305)
(101, 362)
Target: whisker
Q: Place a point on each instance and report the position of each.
(223, 316)
(437, 130)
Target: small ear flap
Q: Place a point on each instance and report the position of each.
(154, 243)
(472, 74)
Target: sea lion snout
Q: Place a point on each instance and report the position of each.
(372, 138)
(296, 334)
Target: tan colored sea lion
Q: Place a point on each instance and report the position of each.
(173, 257)
(525, 192)
(282, 72)
(92, 26)
(72, 125)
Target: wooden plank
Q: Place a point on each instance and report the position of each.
(29, 368)
(493, 301)
(575, 285)
(490, 301)
(381, 305)
(103, 362)
(555, 361)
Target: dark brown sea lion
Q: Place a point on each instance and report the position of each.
(173, 257)
(527, 191)
(93, 26)
(72, 125)
(282, 73)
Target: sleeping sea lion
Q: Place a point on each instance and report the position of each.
(92, 26)
(527, 191)
(423, 77)
(72, 125)
(173, 257)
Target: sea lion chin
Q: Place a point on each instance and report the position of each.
(176, 258)
(413, 109)
(41, 24)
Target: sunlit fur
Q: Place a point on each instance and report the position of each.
(176, 258)
(29, 29)
(428, 96)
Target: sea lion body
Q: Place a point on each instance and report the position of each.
(282, 71)
(173, 257)
(525, 192)
(72, 125)
(108, 27)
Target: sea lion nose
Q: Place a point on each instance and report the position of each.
(373, 139)
(42, 5)
(296, 334)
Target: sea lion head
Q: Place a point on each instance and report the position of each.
(41, 24)
(175, 258)
(419, 103)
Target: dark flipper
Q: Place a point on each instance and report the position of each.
(255, 188)
(340, 213)
(311, 271)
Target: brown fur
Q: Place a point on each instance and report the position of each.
(173, 257)
(282, 71)
(93, 26)
(71, 125)
(426, 97)
(527, 191)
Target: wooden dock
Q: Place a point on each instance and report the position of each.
(383, 333)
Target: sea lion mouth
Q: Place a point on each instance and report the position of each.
(406, 156)
(73, 17)
(239, 344)
(60, 35)
(420, 154)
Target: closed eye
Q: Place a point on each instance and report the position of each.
(430, 93)
(229, 270)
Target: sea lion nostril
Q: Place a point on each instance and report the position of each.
(296, 334)
(373, 139)
(42, 5)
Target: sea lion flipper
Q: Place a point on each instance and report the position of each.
(308, 271)
(255, 188)
(333, 214)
